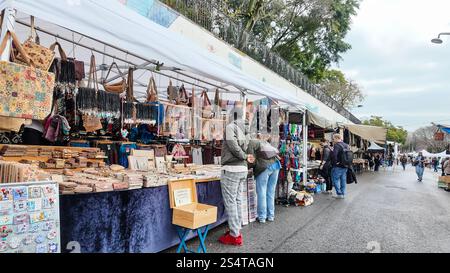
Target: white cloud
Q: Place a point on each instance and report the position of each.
(390, 27)
(376, 82)
(405, 90)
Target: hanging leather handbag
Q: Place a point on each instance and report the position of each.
(62, 54)
(79, 69)
(91, 123)
(206, 107)
(117, 87)
(152, 91)
(183, 98)
(25, 91)
(41, 56)
(172, 93)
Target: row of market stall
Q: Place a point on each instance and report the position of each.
(97, 120)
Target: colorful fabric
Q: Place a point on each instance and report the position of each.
(25, 92)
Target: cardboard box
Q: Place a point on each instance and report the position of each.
(187, 212)
(445, 179)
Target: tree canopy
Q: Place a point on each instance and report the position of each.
(309, 34)
(345, 91)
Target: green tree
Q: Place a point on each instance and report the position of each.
(394, 133)
(346, 92)
(309, 34)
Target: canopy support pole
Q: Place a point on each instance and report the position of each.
(8, 23)
(305, 148)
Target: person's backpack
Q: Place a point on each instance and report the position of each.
(345, 157)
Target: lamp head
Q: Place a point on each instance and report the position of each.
(436, 41)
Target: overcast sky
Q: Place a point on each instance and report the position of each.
(406, 78)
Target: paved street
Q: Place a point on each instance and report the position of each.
(390, 209)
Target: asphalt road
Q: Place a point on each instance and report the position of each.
(388, 212)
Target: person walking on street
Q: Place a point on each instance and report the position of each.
(233, 176)
(435, 164)
(325, 165)
(404, 160)
(442, 165)
(419, 162)
(266, 169)
(377, 162)
(341, 160)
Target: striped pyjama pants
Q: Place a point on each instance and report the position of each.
(232, 185)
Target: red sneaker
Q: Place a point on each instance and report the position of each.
(228, 239)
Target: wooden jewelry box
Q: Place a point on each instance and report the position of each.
(187, 212)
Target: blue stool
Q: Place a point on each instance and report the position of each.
(182, 234)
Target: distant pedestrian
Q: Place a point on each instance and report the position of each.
(435, 164)
(341, 160)
(419, 163)
(404, 160)
(377, 162)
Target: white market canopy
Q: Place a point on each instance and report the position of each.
(371, 133)
(114, 24)
(425, 153)
(375, 147)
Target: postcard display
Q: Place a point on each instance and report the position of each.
(29, 218)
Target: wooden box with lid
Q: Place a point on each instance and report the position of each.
(187, 212)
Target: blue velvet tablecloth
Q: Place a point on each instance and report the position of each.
(127, 221)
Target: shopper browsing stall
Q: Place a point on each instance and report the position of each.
(341, 161)
(266, 170)
(234, 175)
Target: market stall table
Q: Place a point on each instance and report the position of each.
(127, 221)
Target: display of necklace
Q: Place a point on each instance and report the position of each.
(87, 100)
(129, 113)
(108, 104)
(145, 113)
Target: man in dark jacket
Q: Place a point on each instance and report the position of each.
(339, 171)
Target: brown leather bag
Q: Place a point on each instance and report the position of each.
(172, 93)
(152, 91)
(117, 87)
(206, 107)
(183, 98)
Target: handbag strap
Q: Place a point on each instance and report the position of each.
(2, 15)
(183, 93)
(60, 49)
(206, 101)
(217, 98)
(130, 81)
(19, 47)
(93, 74)
(114, 65)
